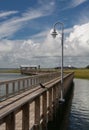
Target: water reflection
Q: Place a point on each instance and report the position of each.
(74, 115)
(79, 115)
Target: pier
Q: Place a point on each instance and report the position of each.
(26, 105)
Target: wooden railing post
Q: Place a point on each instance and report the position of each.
(37, 80)
(37, 113)
(54, 100)
(44, 110)
(31, 83)
(19, 86)
(7, 90)
(25, 117)
(13, 89)
(50, 117)
(10, 122)
(28, 83)
(23, 84)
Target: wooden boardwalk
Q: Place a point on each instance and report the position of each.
(32, 107)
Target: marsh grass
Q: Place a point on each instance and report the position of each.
(80, 73)
(10, 71)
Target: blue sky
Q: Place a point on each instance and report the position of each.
(25, 32)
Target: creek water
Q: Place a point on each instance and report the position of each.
(79, 113)
(10, 76)
(6, 77)
(74, 113)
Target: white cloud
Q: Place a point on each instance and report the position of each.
(76, 3)
(7, 13)
(16, 52)
(5, 46)
(19, 51)
(73, 4)
(78, 41)
(46, 2)
(11, 26)
(68, 30)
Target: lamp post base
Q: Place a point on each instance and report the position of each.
(61, 100)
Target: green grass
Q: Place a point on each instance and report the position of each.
(80, 73)
(10, 71)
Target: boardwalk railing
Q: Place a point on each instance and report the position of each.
(34, 110)
(12, 87)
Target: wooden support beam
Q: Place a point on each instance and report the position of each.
(54, 100)
(44, 110)
(37, 113)
(10, 122)
(50, 114)
(25, 117)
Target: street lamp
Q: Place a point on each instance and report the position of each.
(54, 34)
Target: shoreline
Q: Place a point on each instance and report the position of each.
(80, 73)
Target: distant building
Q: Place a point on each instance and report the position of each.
(30, 69)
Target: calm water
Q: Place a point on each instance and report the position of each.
(10, 76)
(74, 114)
(79, 114)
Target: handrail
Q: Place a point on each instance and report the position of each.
(16, 86)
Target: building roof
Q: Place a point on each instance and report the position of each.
(26, 66)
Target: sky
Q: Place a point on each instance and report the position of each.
(25, 32)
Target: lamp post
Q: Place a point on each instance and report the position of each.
(54, 34)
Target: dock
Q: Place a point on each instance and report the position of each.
(28, 106)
